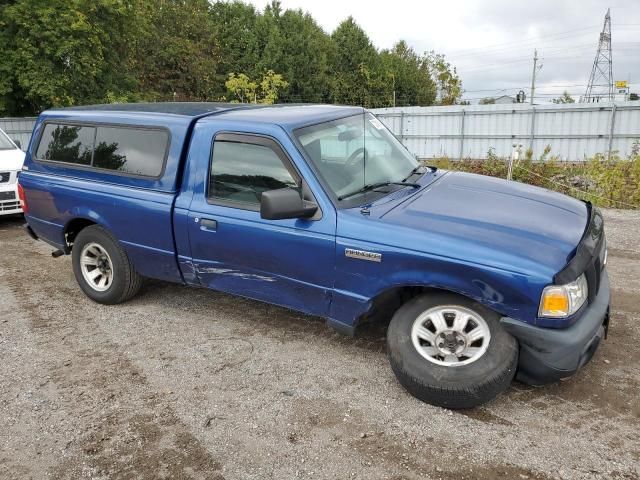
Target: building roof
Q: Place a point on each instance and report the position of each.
(508, 98)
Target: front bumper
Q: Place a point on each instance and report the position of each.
(9, 201)
(548, 355)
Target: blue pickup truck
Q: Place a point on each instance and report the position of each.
(322, 210)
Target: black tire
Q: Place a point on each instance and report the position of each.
(126, 281)
(458, 387)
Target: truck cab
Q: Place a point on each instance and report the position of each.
(321, 209)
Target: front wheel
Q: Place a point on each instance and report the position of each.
(449, 351)
(102, 268)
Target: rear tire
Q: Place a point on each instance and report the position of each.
(451, 380)
(102, 268)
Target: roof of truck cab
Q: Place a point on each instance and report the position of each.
(286, 115)
(289, 115)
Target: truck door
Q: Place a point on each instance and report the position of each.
(285, 262)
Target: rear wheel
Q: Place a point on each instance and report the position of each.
(102, 268)
(450, 351)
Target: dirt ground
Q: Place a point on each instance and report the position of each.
(189, 383)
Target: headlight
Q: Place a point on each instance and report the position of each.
(563, 300)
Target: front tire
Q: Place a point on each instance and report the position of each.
(449, 351)
(102, 268)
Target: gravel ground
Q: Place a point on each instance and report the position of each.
(189, 383)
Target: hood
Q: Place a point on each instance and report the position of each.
(11, 160)
(494, 222)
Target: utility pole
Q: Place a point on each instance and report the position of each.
(533, 75)
(393, 77)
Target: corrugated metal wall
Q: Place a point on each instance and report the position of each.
(18, 129)
(574, 131)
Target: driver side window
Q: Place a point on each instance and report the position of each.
(241, 171)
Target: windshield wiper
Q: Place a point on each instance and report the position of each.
(373, 186)
(417, 170)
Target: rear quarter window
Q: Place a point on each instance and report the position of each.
(66, 143)
(126, 150)
(129, 150)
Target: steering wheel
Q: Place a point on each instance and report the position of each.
(352, 161)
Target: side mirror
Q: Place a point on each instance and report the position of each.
(18, 144)
(285, 203)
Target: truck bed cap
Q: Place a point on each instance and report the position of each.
(187, 109)
(290, 115)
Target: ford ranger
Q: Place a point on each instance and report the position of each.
(322, 210)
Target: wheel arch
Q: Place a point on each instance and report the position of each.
(385, 303)
(81, 217)
(72, 228)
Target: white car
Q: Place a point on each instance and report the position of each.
(11, 160)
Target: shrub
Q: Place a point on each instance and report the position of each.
(607, 182)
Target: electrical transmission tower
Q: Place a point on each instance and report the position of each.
(601, 80)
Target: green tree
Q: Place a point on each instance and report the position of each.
(266, 91)
(58, 53)
(270, 87)
(234, 24)
(564, 98)
(299, 49)
(63, 52)
(487, 101)
(409, 76)
(241, 87)
(448, 84)
(175, 50)
(357, 72)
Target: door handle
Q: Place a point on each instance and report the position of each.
(208, 225)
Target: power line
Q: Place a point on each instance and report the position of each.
(559, 55)
(544, 86)
(512, 50)
(550, 58)
(518, 43)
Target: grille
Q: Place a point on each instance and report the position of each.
(6, 206)
(4, 177)
(7, 195)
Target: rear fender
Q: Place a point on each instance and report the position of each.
(83, 213)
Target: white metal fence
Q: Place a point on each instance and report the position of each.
(574, 131)
(18, 129)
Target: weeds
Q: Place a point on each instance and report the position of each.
(607, 182)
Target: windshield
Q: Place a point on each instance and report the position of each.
(5, 143)
(354, 153)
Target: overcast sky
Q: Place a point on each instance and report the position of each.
(491, 42)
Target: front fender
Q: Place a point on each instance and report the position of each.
(360, 282)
